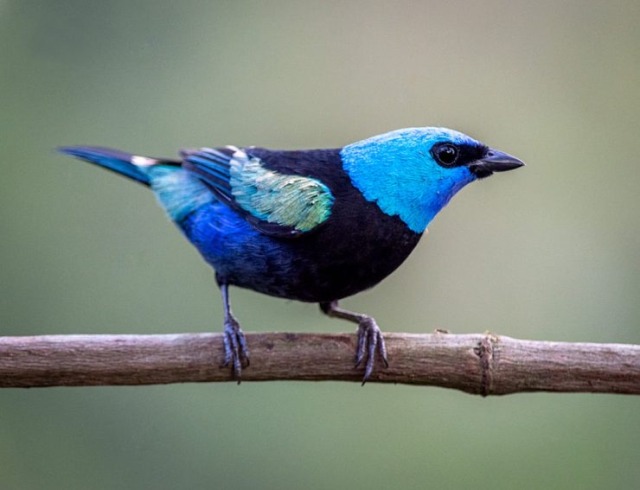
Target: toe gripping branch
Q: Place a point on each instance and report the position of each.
(370, 339)
(236, 353)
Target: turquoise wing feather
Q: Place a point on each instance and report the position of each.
(275, 203)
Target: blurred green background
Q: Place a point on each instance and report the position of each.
(548, 252)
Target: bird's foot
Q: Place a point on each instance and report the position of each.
(370, 342)
(236, 353)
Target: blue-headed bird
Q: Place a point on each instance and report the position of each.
(309, 225)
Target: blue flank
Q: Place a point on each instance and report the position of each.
(234, 248)
(397, 172)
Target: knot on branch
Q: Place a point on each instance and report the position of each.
(485, 350)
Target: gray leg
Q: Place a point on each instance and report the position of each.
(370, 338)
(236, 352)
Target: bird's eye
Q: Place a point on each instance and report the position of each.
(446, 154)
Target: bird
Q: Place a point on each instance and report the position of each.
(314, 225)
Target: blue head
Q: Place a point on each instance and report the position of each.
(413, 173)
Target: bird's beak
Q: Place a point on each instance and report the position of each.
(494, 161)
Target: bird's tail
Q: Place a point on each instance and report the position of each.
(178, 192)
(123, 163)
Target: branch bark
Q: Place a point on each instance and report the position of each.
(481, 364)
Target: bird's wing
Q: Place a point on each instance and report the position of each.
(275, 203)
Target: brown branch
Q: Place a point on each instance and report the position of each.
(479, 364)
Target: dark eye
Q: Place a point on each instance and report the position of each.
(446, 154)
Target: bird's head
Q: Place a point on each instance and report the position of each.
(413, 173)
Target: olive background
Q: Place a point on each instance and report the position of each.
(548, 252)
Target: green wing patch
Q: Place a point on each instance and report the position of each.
(290, 201)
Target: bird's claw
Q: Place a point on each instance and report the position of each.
(370, 342)
(236, 353)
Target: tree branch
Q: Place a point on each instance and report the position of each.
(478, 364)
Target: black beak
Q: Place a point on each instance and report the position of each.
(494, 161)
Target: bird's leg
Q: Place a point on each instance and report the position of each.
(236, 352)
(370, 338)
